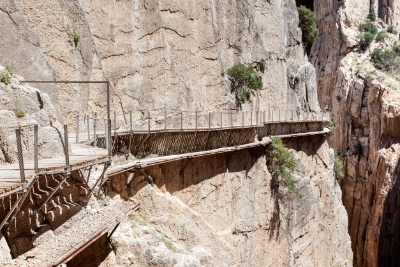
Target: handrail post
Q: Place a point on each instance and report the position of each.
(109, 139)
(88, 126)
(148, 121)
(20, 155)
(221, 119)
(36, 149)
(196, 121)
(165, 120)
(279, 115)
(181, 121)
(108, 132)
(209, 120)
(115, 122)
(263, 117)
(130, 121)
(94, 129)
(231, 120)
(66, 146)
(242, 119)
(105, 133)
(77, 129)
(251, 118)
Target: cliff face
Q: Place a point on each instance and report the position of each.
(157, 54)
(365, 107)
(221, 211)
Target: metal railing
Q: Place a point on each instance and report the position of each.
(90, 127)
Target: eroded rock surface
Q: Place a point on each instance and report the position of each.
(223, 207)
(365, 107)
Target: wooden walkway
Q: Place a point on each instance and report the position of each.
(81, 155)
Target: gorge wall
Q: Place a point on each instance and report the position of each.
(213, 211)
(365, 109)
(157, 54)
(222, 210)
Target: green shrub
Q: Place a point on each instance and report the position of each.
(282, 164)
(296, 80)
(10, 68)
(341, 2)
(391, 29)
(371, 16)
(368, 27)
(396, 48)
(307, 25)
(365, 40)
(381, 36)
(338, 167)
(386, 59)
(6, 76)
(19, 112)
(245, 81)
(77, 37)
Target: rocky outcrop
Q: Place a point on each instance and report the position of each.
(157, 54)
(22, 106)
(221, 211)
(365, 106)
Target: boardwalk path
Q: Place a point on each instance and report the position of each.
(162, 141)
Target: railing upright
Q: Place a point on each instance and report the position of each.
(130, 121)
(221, 119)
(94, 129)
(148, 121)
(181, 121)
(196, 120)
(105, 132)
(36, 149)
(20, 155)
(209, 120)
(77, 129)
(66, 146)
(88, 126)
(165, 120)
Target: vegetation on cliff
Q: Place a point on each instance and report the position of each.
(281, 164)
(244, 82)
(308, 26)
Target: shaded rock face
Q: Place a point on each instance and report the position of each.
(223, 205)
(157, 54)
(31, 226)
(365, 110)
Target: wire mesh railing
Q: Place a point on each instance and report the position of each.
(155, 121)
(24, 148)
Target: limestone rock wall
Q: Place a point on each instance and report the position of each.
(36, 108)
(221, 211)
(157, 54)
(364, 105)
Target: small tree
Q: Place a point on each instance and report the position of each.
(391, 29)
(282, 164)
(371, 16)
(77, 37)
(338, 167)
(307, 25)
(365, 40)
(381, 36)
(244, 82)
